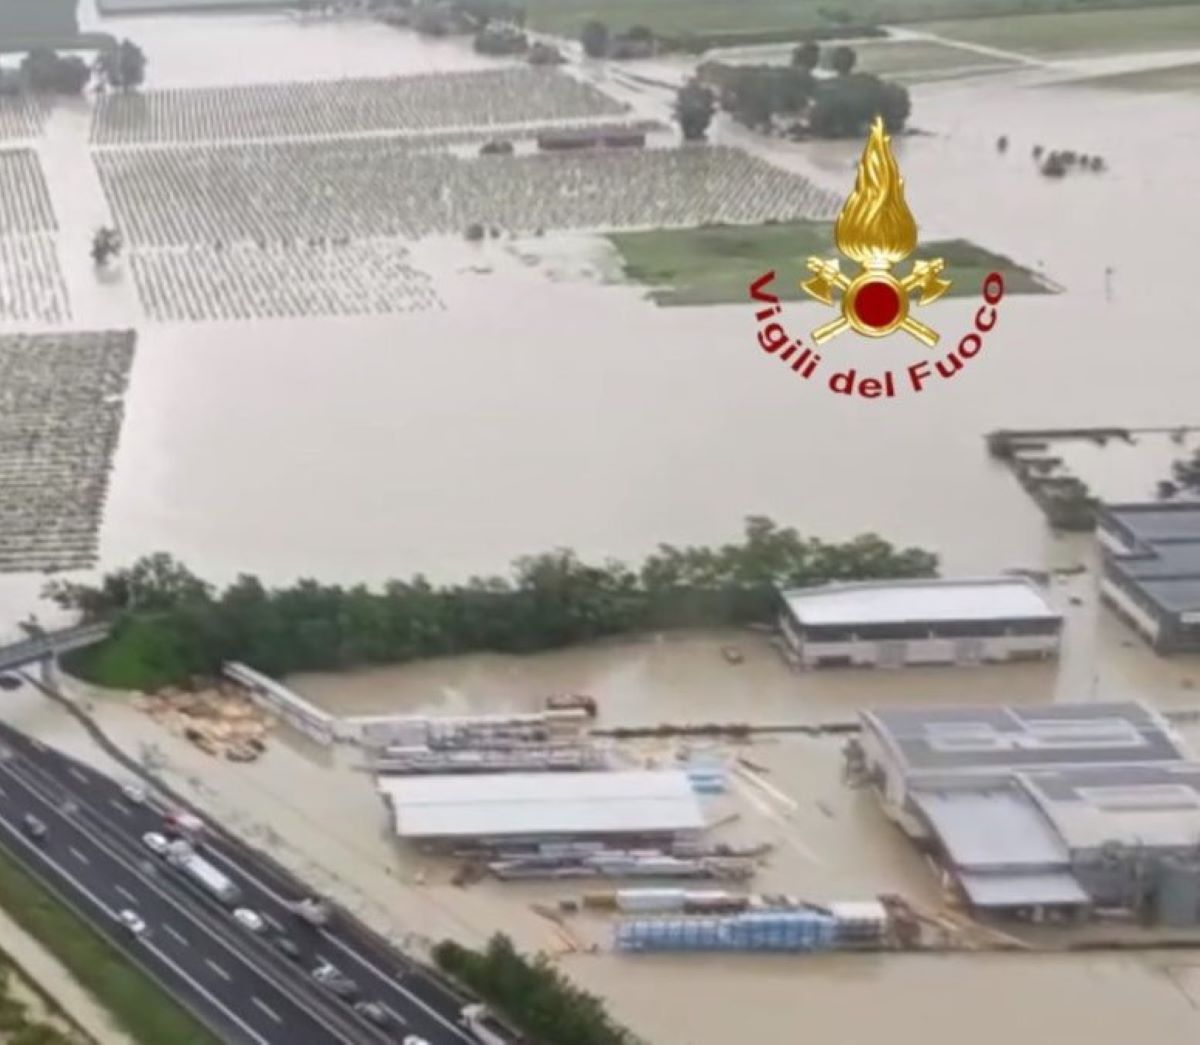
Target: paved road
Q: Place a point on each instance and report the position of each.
(204, 967)
(416, 1002)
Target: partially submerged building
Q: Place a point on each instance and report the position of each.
(1151, 573)
(632, 807)
(1055, 808)
(928, 621)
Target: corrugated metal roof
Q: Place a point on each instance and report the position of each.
(900, 602)
(1022, 890)
(496, 804)
(996, 827)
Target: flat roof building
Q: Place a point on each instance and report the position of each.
(1061, 806)
(928, 621)
(535, 807)
(1151, 573)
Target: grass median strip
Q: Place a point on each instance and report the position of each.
(136, 1002)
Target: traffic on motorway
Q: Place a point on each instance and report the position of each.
(229, 933)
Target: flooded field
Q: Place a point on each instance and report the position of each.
(525, 401)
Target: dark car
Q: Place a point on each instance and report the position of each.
(373, 1012)
(33, 826)
(335, 982)
(287, 947)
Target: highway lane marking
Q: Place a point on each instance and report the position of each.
(176, 933)
(394, 1014)
(267, 1009)
(457, 1031)
(78, 775)
(286, 988)
(119, 807)
(125, 893)
(78, 855)
(213, 1000)
(272, 921)
(217, 969)
(3, 793)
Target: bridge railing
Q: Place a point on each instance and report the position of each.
(27, 648)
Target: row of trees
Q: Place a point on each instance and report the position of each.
(171, 626)
(44, 71)
(828, 107)
(534, 995)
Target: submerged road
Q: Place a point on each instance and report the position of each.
(244, 972)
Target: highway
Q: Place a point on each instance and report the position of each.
(95, 857)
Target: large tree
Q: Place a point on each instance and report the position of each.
(123, 66)
(843, 59)
(807, 55)
(694, 108)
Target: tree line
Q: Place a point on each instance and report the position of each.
(170, 626)
(534, 995)
(44, 71)
(838, 106)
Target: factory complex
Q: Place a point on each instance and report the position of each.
(1061, 810)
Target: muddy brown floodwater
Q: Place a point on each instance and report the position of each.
(541, 409)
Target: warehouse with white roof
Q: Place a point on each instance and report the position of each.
(927, 621)
(521, 808)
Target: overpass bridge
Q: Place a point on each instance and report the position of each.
(45, 647)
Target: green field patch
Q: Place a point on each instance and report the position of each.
(138, 1004)
(706, 16)
(1085, 32)
(716, 265)
(912, 59)
(1172, 78)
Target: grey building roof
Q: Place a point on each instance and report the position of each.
(992, 828)
(918, 601)
(1150, 806)
(969, 739)
(1022, 890)
(1163, 559)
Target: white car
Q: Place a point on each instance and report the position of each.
(156, 843)
(132, 922)
(251, 920)
(414, 1039)
(134, 793)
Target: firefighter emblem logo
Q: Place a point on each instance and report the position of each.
(877, 231)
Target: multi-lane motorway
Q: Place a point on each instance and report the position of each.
(239, 982)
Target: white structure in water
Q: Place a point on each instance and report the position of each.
(929, 621)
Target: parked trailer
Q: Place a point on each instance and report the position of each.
(796, 931)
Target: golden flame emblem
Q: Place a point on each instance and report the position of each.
(877, 230)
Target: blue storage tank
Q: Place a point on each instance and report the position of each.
(790, 931)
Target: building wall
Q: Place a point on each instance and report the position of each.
(1117, 595)
(962, 650)
(38, 18)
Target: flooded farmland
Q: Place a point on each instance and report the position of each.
(515, 398)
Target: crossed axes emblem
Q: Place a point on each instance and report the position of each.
(925, 277)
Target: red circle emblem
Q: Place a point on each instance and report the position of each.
(877, 304)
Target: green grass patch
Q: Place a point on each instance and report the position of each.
(137, 1003)
(1091, 32)
(912, 58)
(1172, 78)
(716, 265)
(705, 16)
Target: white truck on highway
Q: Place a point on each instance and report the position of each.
(213, 881)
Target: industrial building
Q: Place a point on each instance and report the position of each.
(893, 623)
(1061, 808)
(1151, 574)
(635, 807)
